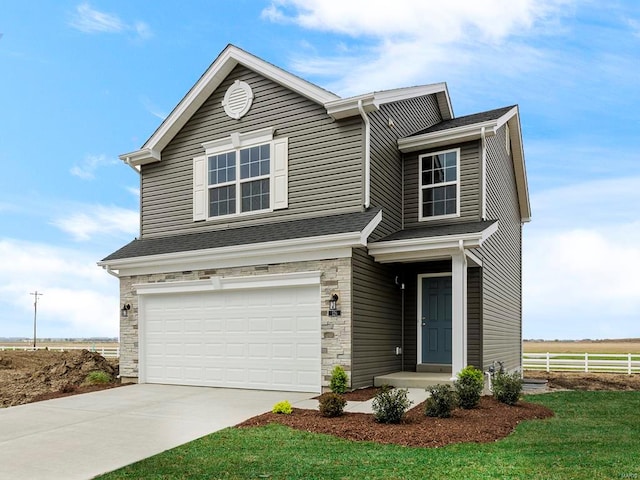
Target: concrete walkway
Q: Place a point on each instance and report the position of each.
(82, 436)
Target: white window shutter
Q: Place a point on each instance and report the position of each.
(280, 173)
(199, 188)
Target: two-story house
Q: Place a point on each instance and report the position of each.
(286, 230)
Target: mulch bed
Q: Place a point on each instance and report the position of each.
(489, 422)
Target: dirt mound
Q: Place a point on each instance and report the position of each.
(29, 375)
(587, 381)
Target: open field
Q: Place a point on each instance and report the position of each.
(584, 346)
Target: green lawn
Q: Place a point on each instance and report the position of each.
(594, 435)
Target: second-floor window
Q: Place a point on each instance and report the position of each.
(439, 185)
(239, 181)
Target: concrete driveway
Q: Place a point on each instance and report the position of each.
(82, 436)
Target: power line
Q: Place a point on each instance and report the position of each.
(35, 314)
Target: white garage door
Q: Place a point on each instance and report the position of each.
(263, 338)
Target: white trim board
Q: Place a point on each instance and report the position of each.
(219, 283)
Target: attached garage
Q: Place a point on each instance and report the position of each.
(260, 332)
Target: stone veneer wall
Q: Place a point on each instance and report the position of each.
(336, 331)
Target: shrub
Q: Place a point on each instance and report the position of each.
(507, 387)
(331, 404)
(441, 401)
(390, 406)
(97, 377)
(283, 407)
(339, 381)
(469, 386)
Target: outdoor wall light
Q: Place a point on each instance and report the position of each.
(333, 303)
(125, 310)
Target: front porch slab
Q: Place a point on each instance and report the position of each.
(413, 379)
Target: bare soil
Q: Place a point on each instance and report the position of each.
(29, 376)
(587, 381)
(489, 422)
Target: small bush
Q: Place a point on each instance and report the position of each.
(469, 386)
(390, 406)
(331, 404)
(339, 381)
(283, 407)
(507, 387)
(98, 377)
(441, 401)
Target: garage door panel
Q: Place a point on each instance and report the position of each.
(267, 338)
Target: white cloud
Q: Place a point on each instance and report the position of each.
(99, 220)
(152, 108)
(88, 20)
(581, 260)
(79, 300)
(87, 168)
(414, 39)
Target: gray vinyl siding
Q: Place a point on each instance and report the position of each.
(325, 159)
(502, 261)
(474, 317)
(408, 116)
(469, 186)
(376, 319)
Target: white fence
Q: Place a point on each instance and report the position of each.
(583, 362)
(106, 352)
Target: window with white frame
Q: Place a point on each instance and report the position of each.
(239, 181)
(439, 185)
(240, 174)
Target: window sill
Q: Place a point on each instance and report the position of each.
(439, 217)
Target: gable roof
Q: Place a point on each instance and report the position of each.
(232, 56)
(476, 127)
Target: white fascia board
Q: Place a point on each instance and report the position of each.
(399, 94)
(141, 157)
(285, 251)
(519, 167)
(446, 137)
(211, 79)
(414, 249)
(305, 249)
(348, 107)
(218, 283)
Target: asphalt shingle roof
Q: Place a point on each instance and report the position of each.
(465, 120)
(308, 227)
(439, 231)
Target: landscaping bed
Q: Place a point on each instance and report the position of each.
(490, 421)
(30, 376)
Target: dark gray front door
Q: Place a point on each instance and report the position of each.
(436, 320)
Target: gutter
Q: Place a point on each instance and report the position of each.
(367, 155)
(483, 173)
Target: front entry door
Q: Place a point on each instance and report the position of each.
(436, 320)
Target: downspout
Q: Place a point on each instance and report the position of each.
(367, 155)
(110, 272)
(464, 304)
(483, 174)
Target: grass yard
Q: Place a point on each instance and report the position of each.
(593, 435)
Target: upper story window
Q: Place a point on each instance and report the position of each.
(239, 181)
(439, 184)
(240, 174)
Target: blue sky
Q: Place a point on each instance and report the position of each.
(81, 83)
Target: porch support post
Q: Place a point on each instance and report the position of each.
(459, 311)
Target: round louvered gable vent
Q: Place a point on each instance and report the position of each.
(237, 101)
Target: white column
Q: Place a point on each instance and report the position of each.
(459, 321)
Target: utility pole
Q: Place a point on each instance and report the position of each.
(35, 314)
